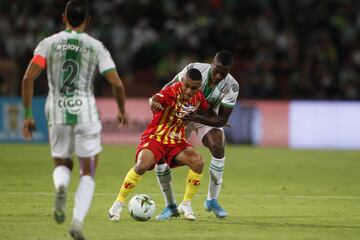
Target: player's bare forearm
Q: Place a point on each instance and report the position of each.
(209, 117)
(118, 91)
(119, 95)
(27, 90)
(213, 121)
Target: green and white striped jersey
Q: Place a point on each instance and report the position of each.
(224, 93)
(72, 60)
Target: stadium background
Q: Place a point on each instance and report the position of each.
(285, 52)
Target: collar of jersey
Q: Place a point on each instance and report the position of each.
(70, 31)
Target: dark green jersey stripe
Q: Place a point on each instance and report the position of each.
(70, 66)
(208, 90)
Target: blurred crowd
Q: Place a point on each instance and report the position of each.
(283, 49)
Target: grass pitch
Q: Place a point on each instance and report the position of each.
(269, 194)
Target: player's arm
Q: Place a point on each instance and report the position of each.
(118, 91)
(209, 117)
(155, 104)
(162, 99)
(225, 109)
(33, 71)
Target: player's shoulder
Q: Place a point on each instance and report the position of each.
(173, 90)
(174, 87)
(232, 83)
(90, 40)
(170, 91)
(200, 66)
(231, 79)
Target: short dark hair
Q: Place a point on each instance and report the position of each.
(194, 74)
(76, 12)
(224, 57)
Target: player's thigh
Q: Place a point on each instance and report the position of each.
(87, 139)
(212, 137)
(88, 165)
(189, 156)
(61, 140)
(148, 153)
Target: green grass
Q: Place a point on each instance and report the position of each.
(269, 194)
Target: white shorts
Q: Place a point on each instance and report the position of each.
(83, 138)
(200, 129)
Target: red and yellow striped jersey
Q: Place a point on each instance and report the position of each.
(167, 126)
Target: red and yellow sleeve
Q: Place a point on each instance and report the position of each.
(165, 96)
(39, 60)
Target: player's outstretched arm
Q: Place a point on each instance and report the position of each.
(155, 106)
(118, 90)
(208, 117)
(32, 72)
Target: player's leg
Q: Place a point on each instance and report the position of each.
(61, 144)
(145, 161)
(87, 146)
(83, 195)
(61, 179)
(195, 162)
(214, 140)
(164, 177)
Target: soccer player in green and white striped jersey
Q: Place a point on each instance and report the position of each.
(71, 59)
(220, 90)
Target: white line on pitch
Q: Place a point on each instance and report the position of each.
(225, 195)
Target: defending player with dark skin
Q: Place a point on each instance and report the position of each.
(214, 139)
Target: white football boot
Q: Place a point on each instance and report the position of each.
(76, 231)
(60, 204)
(115, 210)
(185, 209)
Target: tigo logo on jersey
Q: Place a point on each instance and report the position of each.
(72, 104)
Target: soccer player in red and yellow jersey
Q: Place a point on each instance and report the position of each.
(164, 138)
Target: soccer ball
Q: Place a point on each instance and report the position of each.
(141, 207)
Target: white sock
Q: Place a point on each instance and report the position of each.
(216, 171)
(83, 197)
(61, 176)
(163, 174)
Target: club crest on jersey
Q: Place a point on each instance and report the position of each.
(72, 104)
(185, 109)
(72, 47)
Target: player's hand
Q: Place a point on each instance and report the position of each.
(155, 106)
(123, 119)
(28, 128)
(191, 117)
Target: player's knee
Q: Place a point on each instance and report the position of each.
(217, 149)
(142, 166)
(64, 162)
(197, 163)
